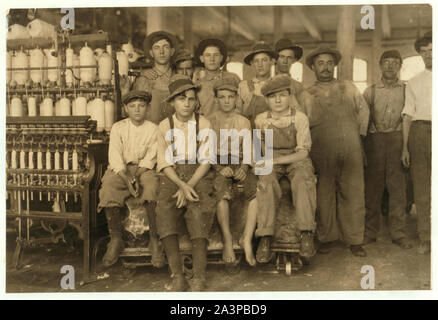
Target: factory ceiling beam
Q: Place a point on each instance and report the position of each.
(386, 22)
(303, 16)
(242, 29)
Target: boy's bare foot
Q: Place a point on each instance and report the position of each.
(246, 245)
(228, 254)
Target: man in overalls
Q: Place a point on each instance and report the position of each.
(212, 55)
(291, 146)
(417, 130)
(338, 118)
(383, 147)
(252, 102)
(160, 46)
(287, 54)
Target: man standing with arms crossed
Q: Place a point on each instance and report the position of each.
(417, 130)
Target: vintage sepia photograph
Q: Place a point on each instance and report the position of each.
(232, 148)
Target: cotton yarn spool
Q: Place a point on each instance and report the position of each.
(40, 29)
(76, 71)
(80, 106)
(8, 65)
(64, 106)
(109, 115)
(128, 48)
(16, 108)
(99, 114)
(46, 107)
(20, 60)
(31, 107)
(90, 109)
(86, 58)
(17, 31)
(69, 55)
(57, 108)
(105, 63)
(98, 52)
(52, 61)
(36, 61)
(45, 71)
(123, 61)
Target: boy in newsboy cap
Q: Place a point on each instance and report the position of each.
(186, 187)
(291, 146)
(132, 157)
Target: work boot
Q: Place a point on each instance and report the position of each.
(368, 240)
(158, 259)
(307, 248)
(424, 247)
(357, 250)
(324, 247)
(116, 245)
(198, 284)
(177, 284)
(264, 254)
(403, 243)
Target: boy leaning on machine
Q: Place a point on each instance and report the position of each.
(132, 158)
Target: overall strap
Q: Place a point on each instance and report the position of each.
(251, 85)
(197, 123)
(172, 126)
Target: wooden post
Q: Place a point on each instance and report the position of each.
(376, 46)
(278, 23)
(346, 38)
(154, 21)
(187, 27)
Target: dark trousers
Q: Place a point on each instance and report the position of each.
(420, 156)
(337, 156)
(384, 169)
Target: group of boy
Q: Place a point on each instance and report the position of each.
(323, 124)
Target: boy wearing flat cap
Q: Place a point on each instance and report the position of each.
(212, 55)
(160, 46)
(383, 147)
(186, 187)
(291, 147)
(132, 157)
(232, 173)
(338, 118)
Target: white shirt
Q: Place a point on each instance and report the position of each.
(418, 101)
(132, 144)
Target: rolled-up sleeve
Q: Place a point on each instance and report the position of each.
(409, 107)
(304, 141)
(362, 110)
(115, 150)
(150, 158)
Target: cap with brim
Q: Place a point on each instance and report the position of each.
(260, 47)
(276, 84)
(136, 94)
(323, 50)
(211, 43)
(390, 54)
(182, 55)
(147, 45)
(226, 83)
(178, 84)
(285, 43)
(420, 42)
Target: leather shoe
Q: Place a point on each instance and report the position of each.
(358, 251)
(307, 247)
(198, 284)
(403, 243)
(178, 284)
(115, 246)
(264, 253)
(368, 240)
(324, 247)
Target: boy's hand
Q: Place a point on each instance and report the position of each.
(133, 187)
(180, 199)
(240, 174)
(227, 172)
(405, 158)
(184, 193)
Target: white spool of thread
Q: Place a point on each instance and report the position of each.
(76, 71)
(31, 106)
(39, 160)
(17, 31)
(64, 107)
(22, 159)
(36, 61)
(45, 71)
(57, 108)
(109, 49)
(75, 162)
(99, 114)
(52, 61)
(105, 68)
(98, 52)
(57, 160)
(16, 109)
(40, 29)
(20, 60)
(65, 157)
(69, 55)
(46, 108)
(80, 106)
(48, 160)
(31, 164)
(8, 65)
(86, 58)
(123, 61)
(109, 115)
(14, 159)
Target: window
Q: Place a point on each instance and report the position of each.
(360, 74)
(411, 66)
(235, 67)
